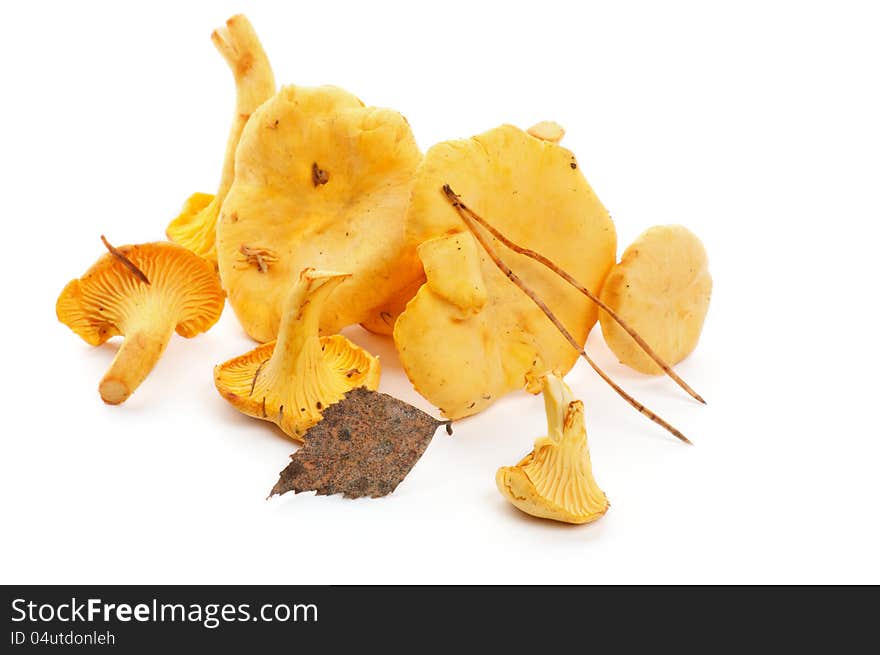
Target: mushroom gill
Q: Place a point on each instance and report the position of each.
(145, 292)
(555, 481)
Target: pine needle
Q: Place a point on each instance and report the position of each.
(130, 265)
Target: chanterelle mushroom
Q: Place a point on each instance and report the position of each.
(144, 292)
(290, 381)
(470, 335)
(555, 481)
(661, 287)
(195, 227)
(320, 180)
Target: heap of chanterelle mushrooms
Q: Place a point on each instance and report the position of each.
(490, 259)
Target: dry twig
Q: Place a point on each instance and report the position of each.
(130, 265)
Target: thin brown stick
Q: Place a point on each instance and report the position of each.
(130, 265)
(538, 257)
(513, 277)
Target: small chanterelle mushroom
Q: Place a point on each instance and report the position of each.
(662, 287)
(291, 380)
(555, 481)
(143, 292)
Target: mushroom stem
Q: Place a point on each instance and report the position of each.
(135, 359)
(298, 375)
(237, 42)
(557, 398)
(298, 331)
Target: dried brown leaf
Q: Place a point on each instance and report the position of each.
(364, 445)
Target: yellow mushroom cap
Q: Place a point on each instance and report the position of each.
(183, 295)
(292, 380)
(469, 316)
(320, 180)
(661, 287)
(555, 481)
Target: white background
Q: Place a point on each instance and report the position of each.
(755, 124)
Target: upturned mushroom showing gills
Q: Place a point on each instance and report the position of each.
(290, 381)
(145, 293)
(320, 180)
(555, 481)
(195, 227)
(470, 335)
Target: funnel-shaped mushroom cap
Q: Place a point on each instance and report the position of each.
(469, 316)
(555, 481)
(661, 287)
(320, 180)
(181, 293)
(195, 227)
(290, 381)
